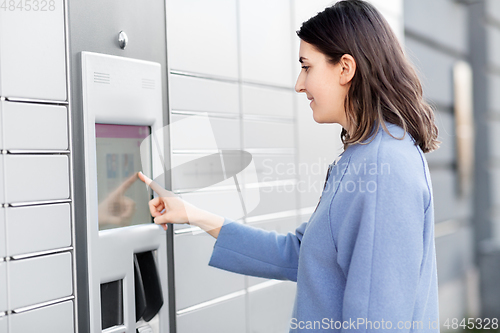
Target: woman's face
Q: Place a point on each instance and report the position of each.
(326, 85)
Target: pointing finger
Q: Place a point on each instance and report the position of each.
(155, 186)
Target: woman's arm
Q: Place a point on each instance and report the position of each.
(244, 249)
(239, 248)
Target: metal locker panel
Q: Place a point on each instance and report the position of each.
(260, 134)
(56, 318)
(266, 41)
(448, 205)
(445, 155)
(224, 317)
(36, 177)
(431, 60)
(267, 101)
(493, 95)
(35, 126)
(35, 68)
(4, 324)
(1, 126)
(446, 23)
(202, 37)
(197, 94)
(2, 234)
(275, 167)
(196, 282)
(275, 199)
(218, 133)
(26, 224)
(225, 203)
(2, 185)
(3, 287)
(40, 279)
(194, 171)
(270, 309)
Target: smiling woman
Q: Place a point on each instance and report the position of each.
(325, 83)
(366, 258)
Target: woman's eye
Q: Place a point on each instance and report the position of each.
(305, 67)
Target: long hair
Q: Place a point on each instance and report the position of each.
(385, 86)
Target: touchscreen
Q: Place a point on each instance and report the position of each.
(123, 198)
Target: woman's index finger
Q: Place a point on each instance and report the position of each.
(154, 185)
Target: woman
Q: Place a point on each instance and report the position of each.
(365, 260)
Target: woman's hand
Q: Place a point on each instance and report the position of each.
(168, 208)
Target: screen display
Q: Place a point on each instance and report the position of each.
(123, 198)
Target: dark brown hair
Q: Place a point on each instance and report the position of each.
(385, 86)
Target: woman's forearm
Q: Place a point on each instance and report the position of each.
(209, 222)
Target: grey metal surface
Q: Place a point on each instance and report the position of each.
(3, 240)
(445, 155)
(454, 256)
(196, 281)
(35, 67)
(24, 171)
(448, 204)
(38, 280)
(3, 287)
(202, 37)
(482, 175)
(94, 26)
(226, 134)
(34, 126)
(266, 59)
(434, 68)
(270, 309)
(494, 88)
(56, 318)
(2, 177)
(27, 224)
(493, 41)
(260, 134)
(442, 21)
(275, 199)
(266, 101)
(4, 324)
(198, 94)
(225, 317)
(489, 265)
(493, 9)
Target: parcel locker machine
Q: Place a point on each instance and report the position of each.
(127, 256)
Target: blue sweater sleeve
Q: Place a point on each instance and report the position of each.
(248, 250)
(381, 250)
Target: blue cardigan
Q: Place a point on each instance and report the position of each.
(365, 261)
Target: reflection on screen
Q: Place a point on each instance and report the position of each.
(123, 198)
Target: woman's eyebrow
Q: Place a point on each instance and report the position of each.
(301, 59)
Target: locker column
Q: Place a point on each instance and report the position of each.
(36, 232)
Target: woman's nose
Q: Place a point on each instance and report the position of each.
(299, 85)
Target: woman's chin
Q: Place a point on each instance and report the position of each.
(317, 118)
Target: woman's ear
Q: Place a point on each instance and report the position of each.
(348, 68)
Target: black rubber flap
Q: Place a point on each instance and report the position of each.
(151, 283)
